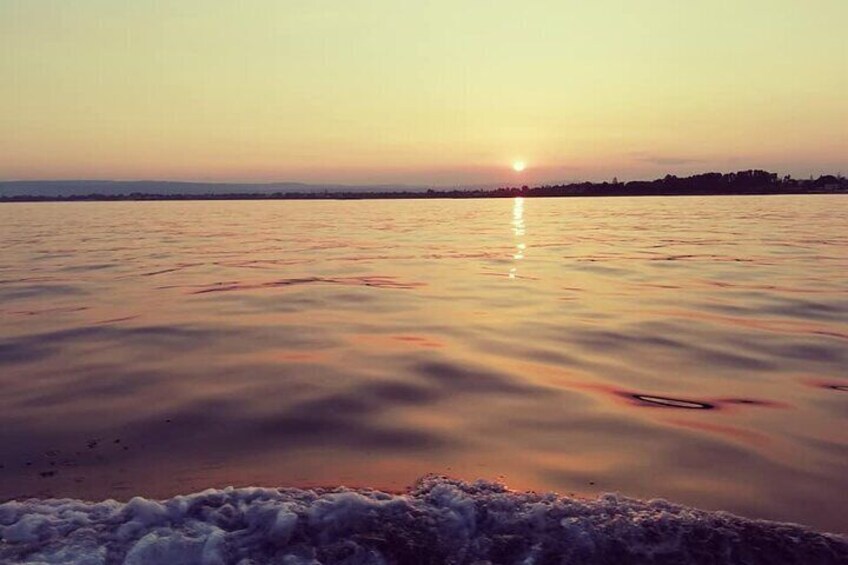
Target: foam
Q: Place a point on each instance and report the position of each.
(439, 521)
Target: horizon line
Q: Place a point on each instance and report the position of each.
(613, 179)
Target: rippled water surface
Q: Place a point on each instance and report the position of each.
(687, 348)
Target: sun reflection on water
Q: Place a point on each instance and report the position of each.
(518, 230)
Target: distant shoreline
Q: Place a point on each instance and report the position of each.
(375, 196)
(751, 182)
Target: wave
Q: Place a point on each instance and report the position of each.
(439, 520)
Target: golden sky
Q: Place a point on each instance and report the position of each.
(420, 92)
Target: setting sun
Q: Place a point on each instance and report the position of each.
(519, 166)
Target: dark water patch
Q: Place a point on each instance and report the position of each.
(40, 291)
(162, 338)
(820, 352)
(765, 289)
(259, 263)
(288, 416)
(672, 340)
(169, 270)
(241, 303)
(88, 267)
(606, 340)
(246, 286)
(388, 282)
(27, 280)
(339, 422)
(16, 351)
(753, 402)
(223, 283)
(117, 320)
(85, 388)
(832, 310)
(49, 311)
(714, 356)
(396, 392)
(461, 377)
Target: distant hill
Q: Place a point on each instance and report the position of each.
(67, 188)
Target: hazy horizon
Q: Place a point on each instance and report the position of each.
(293, 185)
(440, 95)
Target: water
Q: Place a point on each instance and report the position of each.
(690, 348)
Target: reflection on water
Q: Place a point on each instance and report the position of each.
(518, 232)
(691, 348)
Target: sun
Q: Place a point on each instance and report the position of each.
(519, 166)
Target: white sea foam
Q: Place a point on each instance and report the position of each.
(438, 521)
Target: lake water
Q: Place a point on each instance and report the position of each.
(687, 348)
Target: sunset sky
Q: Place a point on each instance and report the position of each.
(436, 93)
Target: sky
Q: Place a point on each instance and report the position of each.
(434, 93)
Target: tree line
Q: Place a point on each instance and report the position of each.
(742, 182)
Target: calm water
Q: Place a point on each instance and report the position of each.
(690, 348)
